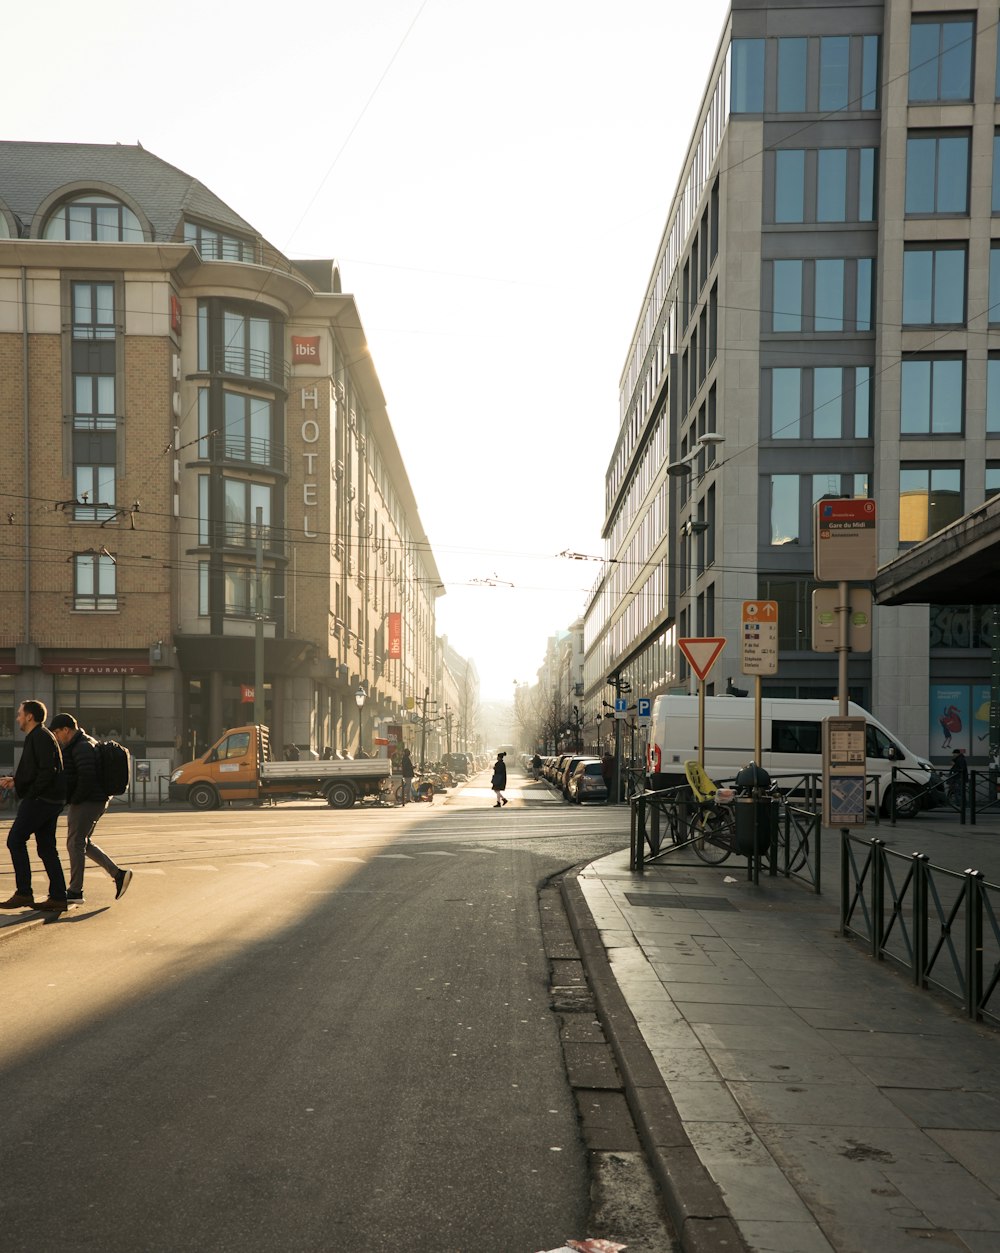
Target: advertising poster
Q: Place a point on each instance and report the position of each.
(981, 720)
(950, 718)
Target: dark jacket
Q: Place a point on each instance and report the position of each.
(406, 766)
(80, 762)
(499, 776)
(39, 773)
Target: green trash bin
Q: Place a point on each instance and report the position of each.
(756, 824)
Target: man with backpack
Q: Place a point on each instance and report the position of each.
(87, 797)
(38, 785)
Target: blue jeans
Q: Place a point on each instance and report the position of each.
(36, 818)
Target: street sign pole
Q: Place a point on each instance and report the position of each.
(701, 655)
(844, 647)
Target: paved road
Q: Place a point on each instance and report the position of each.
(301, 1029)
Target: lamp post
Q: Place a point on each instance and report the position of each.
(693, 525)
(360, 696)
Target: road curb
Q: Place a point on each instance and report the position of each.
(10, 929)
(693, 1198)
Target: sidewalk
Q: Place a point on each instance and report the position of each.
(829, 1104)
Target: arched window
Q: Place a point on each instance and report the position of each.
(96, 218)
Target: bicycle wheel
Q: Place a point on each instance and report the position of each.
(713, 832)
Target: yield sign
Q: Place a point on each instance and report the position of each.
(702, 654)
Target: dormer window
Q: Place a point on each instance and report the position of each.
(216, 245)
(98, 219)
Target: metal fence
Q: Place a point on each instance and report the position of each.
(939, 924)
(665, 825)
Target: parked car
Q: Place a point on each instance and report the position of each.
(587, 783)
(569, 766)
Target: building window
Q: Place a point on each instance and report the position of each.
(930, 498)
(834, 67)
(992, 479)
(786, 313)
(829, 304)
(94, 582)
(869, 72)
(784, 509)
(996, 174)
(242, 500)
(215, 245)
(240, 591)
(941, 51)
(824, 185)
(95, 493)
(248, 428)
(993, 395)
(97, 219)
(932, 396)
(93, 310)
(792, 58)
(824, 402)
(934, 285)
(107, 706)
(789, 185)
(239, 341)
(94, 402)
(937, 174)
(747, 76)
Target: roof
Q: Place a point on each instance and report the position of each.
(959, 565)
(31, 172)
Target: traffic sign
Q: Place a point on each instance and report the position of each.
(845, 543)
(644, 711)
(621, 706)
(759, 637)
(702, 654)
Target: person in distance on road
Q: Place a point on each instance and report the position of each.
(86, 802)
(38, 785)
(406, 770)
(499, 780)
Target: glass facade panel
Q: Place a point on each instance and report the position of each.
(787, 311)
(937, 174)
(786, 403)
(792, 55)
(829, 295)
(747, 81)
(996, 174)
(932, 397)
(784, 509)
(862, 402)
(941, 60)
(865, 295)
(929, 498)
(869, 72)
(834, 58)
(789, 181)
(831, 185)
(866, 185)
(828, 389)
(933, 286)
(993, 396)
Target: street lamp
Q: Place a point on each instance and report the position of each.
(360, 696)
(678, 469)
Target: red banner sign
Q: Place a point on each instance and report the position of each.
(395, 635)
(305, 349)
(246, 694)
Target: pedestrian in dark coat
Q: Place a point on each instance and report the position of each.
(499, 780)
(40, 789)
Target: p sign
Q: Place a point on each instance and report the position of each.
(644, 711)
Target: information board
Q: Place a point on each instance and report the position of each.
(845, 543)
(844, 770)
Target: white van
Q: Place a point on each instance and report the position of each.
(791, 743)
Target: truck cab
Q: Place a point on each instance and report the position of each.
(229, 771)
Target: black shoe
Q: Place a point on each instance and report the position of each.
(504, 799)
(122, 879)
(74, 898)
(497, 805)
(20, 900)
(53, 905)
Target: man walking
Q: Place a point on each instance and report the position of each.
(499, 780)
(406, 770)
(38, 785)
(86, 802)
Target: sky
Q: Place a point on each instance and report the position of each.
(493, 180)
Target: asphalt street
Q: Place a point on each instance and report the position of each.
(301, 1029)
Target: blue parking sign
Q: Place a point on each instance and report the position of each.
(644, 708)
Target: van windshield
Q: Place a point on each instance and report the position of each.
(788, 736)
(878, 744)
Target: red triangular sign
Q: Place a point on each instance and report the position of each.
(702, 654)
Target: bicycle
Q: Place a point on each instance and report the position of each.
(713, 828)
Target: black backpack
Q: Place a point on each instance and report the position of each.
(114, 767)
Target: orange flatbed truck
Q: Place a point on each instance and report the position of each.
(238, 767)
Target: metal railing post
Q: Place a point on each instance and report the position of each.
(892, 799)
(962, 799)
(817, 834)
(654, 837)
(845, 866)
(973, 942)
(972, 799)
(878, 897)
(918, 917)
